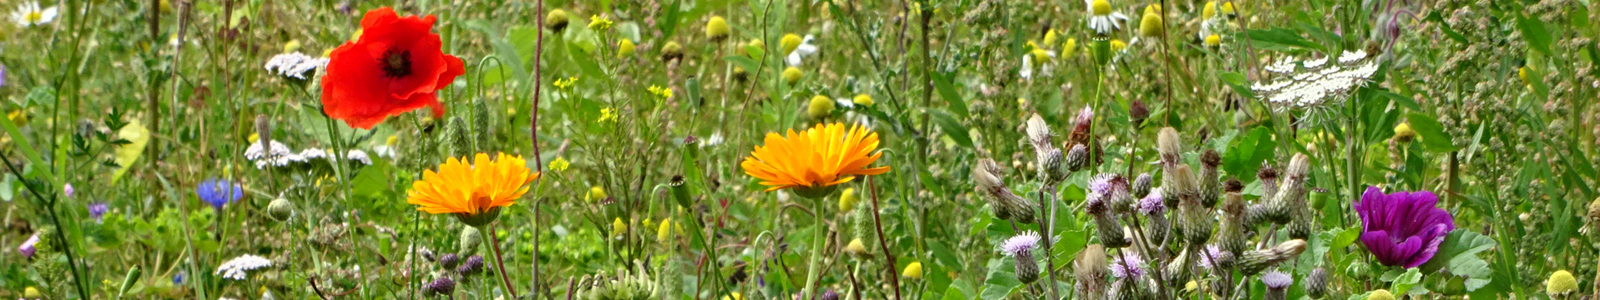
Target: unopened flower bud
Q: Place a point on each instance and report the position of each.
(441, 286)
(1137, 113)
(1210, 183)
(280, 209)
(449, 261)
(1050, 165)
(1027, 268)
(1255, 261)
(1077, 158)
(1109, 228)
(470, 238)
(472, 266)
(1141, 186)
(1317, 283)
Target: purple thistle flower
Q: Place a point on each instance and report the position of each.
(215, 191)
(1020, 243)
(1127, 264)
(98, 210)
(1276, 280)
(1213, 252)
(1152, 204)
(1403, 228)
(27, 248)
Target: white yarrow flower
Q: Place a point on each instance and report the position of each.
(273, 154)
(1313, 83)
(29, 14)
(806, 48)
(294, 65)
(238, 268)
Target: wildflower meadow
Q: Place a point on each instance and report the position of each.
(806, 149)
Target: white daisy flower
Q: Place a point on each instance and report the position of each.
(294, 65)
(314, 154)
(1102, 19)
(238, 268)
(1034, 57)
(806, 48)
(29, 14)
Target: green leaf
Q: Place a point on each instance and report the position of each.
(1000, 281)
(1238, 83)
(1439, 19)
(952, 127)
(370, 182)
(1247, 152)
(1405, 281)
(1280, 38)
(126, 155)
(1534, 32)
(1432, 133)
(1458, 255)
(943, 82)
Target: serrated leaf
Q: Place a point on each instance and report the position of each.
(1458, 255)
(1000, 281)
(1247, 152)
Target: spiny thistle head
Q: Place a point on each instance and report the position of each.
(1317, 283)
(1168, 144)
(1141, 185)
(819, 107)
(441, 286)
(1077, 158)
(1560, 283)
(1090, 269)
(717, 29)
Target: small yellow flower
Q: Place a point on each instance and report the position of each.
(1213, 40)
(599, 23)
(819, 107)
(1560, 283)
(1050, 37)
(1227, 8)
(1100, 7)
(608, 115)
(625, 48)
(1403, 133)
(663, 93)
(565, 83)
(1522, 73)
(792, 75)
(254, 137)
(1040, 57)
(863, 100)
(733, 296)
(717, 28)
(1070, 48)
(1380, 294)
(392, 141)
(1117, 45)
(789, 43)
(1151, 25)
(31, 292)
(20, 117)
(618, 227)
(595, 193)
(664, 233)
(755, 43)
(913, 270)
(856, 247)
(291, 46)
(559, 164)
(847, 200)
(1209, 11)
(556, 19)
(1191, 286)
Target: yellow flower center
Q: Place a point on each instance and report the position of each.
(34, 17)
(1101, 8)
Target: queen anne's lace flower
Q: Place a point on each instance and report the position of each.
(238, 268)
(294, 65)
(1315, 83)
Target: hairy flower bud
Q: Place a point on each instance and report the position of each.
(1077, 158)
(1255, 261)
(1027, 268)
(280, 209)
(1210, 182)
(1169, 146)
(1050, 165)
(1141, 186)
(1317, 283)
(1231, 235)
(1090, 269)
(1106, 223)
(1269, 181)
(470, 238)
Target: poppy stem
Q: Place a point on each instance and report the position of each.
(499, 264)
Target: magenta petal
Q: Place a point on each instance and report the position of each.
(1403, 228)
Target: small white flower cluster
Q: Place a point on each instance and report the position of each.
(1313, 83)
(238, 267)
(279, 155)
(294, 65)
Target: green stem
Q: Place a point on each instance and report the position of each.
(499, 265)
(816, 252)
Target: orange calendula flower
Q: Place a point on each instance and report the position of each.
(476, 192)
(813, 161)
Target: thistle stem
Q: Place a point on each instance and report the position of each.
(877, 222)
(499, 265)
(809, 291)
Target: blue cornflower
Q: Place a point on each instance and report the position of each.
(216, 192)
(98, 210)
(178, 278)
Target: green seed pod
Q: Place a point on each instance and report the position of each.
(280, 209)
(469, 241)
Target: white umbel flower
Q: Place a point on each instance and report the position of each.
(805, 49)
(238, 268)
(273, 154)
(358, 156)
(1310, 84)
(1102, 19)
(294, 65)
(29, 14)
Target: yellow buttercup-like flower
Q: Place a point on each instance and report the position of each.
(913, 270)
(815, 160)
(608, 115)
(599, 23)
(472, 192)
(559, 164)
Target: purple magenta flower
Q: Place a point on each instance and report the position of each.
(1404, 228)
(1020, 243)
(217, 192)
(98, 210)
(27, 248)
(1152, 204)
(1127, 264)
(178, 278)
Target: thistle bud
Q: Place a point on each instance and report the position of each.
(1269, 181)
(441, 286)
(1141, 186)
(280, 209)
(1289, 202)
(1177, 185)
(1090, 270)
(472, 266)
(482, 127)
(1050, 165)
(455, 139)
(1256, 214)
(470, 238)
(1168, 145)
(1027, 268)
(1209, 182)
(830, 295)
(1231, 235)
(449, 261)
(1255, 261)
(1019, 208)
(1077, 158)
(862, 218)
(1177, 270)
(1038, 133)
(1109, 228)
(1317, 283)
(1195, 222)
(1277, 285)
(1137, 113)
(986, 175)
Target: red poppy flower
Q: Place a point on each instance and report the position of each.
(396, 66)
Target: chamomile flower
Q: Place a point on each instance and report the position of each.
(30, 14)
(294, 65)
(1102, 19)
(803, 49)
(1039, 57)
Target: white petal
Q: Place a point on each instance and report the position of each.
(806, 49)
(793, 59)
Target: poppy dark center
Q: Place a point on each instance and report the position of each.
(396, 63)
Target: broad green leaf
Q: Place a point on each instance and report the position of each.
(1534, 32)
(1001, 281)
(1247, 152)
(1431, 133)
(1458, 255)
(1238, 83)
(943, 82)
(1405, 281)
(953, 128)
